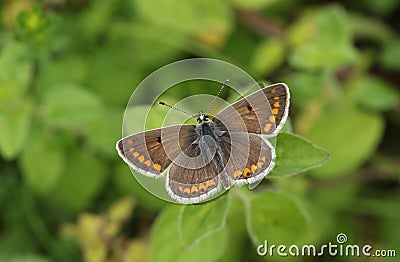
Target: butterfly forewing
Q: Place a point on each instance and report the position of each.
(263, 112)
(151, 152)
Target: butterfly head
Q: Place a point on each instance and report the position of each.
(203, 118)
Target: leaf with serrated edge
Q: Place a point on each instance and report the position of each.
(296, 154)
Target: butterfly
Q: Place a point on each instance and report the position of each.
(227, 149)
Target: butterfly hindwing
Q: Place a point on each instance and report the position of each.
(248, 158)
(188, 183)
(260, 160)
(263, 112)
(151, 152)
(240, 157)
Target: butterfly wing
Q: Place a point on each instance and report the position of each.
(248, 157)
(151, 152)
(241, 158)
(193, 177)
(263, 112)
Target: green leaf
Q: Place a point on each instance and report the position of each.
(14, 128)
(32, 22)
(196, 222)
(150, 50)
(331, 45)
(276, 217)
(15, 72)
(113, 68)
(103, 132)
(82, 180)
(295, 155)
(254, 4)
(69, 105)
(76, 66)
(165, 245)
(15, 110)
(391, 53)
(303, 29)
(350, 135)
(304, 87)
(191, 17)
(42, 162)
(268, 56)
(374, 93)
(369, 27)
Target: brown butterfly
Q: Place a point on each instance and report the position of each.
(219, 152)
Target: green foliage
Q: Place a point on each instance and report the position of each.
(276, 215)
(85, 175)
(268, 57)
(15, 108)
(14, 128)
(42, 162)
(95, 232)
(295, 155)
(256, 4)
(330, 46)
(390, 52)
(166, 244)
(195, 222)
(68, 69)
(70, 106)
(350, 144)
(374, 93)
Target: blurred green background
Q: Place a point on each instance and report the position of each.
(68, 68)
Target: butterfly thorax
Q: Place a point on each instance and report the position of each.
(205, 126)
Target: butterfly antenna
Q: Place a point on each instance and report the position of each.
(177, 109)
(215, 98)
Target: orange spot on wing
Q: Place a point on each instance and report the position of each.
(237, 173)
(267, 127)
(253, 168)
(276, 104)
(195, 189)
(246, 171)
(202, 187)
(136, 154)
(263, 158)
(186, 191)
(131, 149)
(276, 97)
(130, 141)
(273, 90)
(275, 111)
(141, 158)
(157, 166)
(147, 163)
(260, 164)
(272, 119)
(180, 188)
(210, 183)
